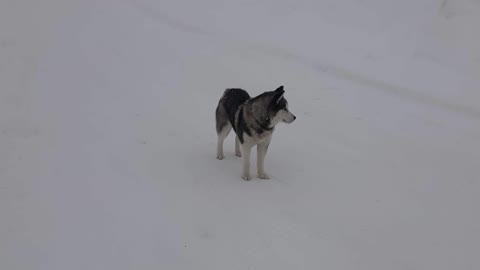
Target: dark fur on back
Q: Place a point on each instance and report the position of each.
(228, 105)
(232, 100)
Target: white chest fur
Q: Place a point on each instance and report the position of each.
(257, 138)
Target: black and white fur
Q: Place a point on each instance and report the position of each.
(253, 120)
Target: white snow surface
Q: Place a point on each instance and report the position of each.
(107, 138)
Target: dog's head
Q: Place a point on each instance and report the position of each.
(278, 108)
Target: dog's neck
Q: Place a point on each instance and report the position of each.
(263, 126)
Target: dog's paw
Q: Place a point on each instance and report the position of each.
(220, 156)
(263, 176)
(238, 154)
(246, 177)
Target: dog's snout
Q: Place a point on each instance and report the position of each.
(294, 117)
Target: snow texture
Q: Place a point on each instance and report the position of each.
(107, 135)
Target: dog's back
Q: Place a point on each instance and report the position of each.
(228, 105)
(232, 99)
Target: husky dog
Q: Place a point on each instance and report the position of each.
(253, 120)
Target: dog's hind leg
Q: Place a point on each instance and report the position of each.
(221, 138)
(238, 153)
(223, 128)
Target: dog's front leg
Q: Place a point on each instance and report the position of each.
(237, 147)
(261, 153)
(246, 149)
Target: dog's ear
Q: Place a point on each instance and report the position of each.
(278, 94)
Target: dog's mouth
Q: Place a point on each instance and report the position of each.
(289, 121)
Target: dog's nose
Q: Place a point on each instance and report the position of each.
(294, 117)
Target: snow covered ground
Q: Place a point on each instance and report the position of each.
(107, 139)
